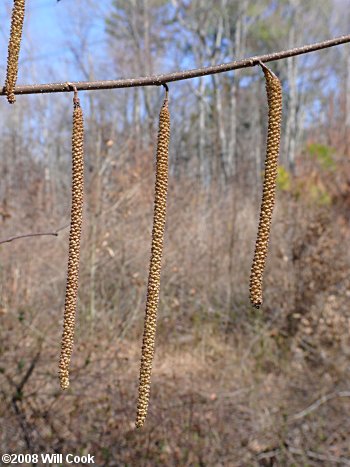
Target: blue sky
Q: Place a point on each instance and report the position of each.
(52, 28)
(45, 53)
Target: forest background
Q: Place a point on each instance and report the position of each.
(231, 385)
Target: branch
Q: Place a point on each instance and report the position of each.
(319, 402)
(23, 382)
(55, 234)
(158, 80)
(321, 457)
(17, 398)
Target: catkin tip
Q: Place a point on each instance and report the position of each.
(11, 98)
(139, 423)
(14, 46)
(64, 384)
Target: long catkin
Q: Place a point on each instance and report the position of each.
(161, 188)
(14, 48)
(274, 98)
(74, 244)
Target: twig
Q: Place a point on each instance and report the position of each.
(307, 453)
(159, 80)
(268, 454)
(27, 375)
(319, 402)
(17, 398)
(55, 234)
(320, 457)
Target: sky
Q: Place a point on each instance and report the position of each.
(52, 28)
(45, 54)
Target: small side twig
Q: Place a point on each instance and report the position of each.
(329, 458)
(40, 234)
(322, 400)
(18, 397)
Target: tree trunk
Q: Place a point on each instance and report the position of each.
(204, 172)
(347, 108)
(291, 130)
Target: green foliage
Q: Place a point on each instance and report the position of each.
(323, 154)
(20, 364)
(21, 316)
(314, 190)
(267, 36)
(283, 179)
(106, 454)
(320, 195)
(126, 20)
(255, 9)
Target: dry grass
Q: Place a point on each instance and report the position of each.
(229, 381)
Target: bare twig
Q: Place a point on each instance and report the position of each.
(17, 398)
(321, 457)
(55, 234)
(310, 454)
(158, 80)
(322, 400)
(27, 375)
(268, 454)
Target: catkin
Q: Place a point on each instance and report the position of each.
(14, 48)
(161, 188)
(274, 98)
(74, 244)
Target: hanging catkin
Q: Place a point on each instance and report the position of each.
(74, 243)
(274, 98)
(161, 188)
(14, 48)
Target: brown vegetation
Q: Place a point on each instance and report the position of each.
(229, 383)
(231, 386)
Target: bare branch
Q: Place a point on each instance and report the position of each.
(321, 457)
(158, 80)
(17, 237)
(322, 400)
